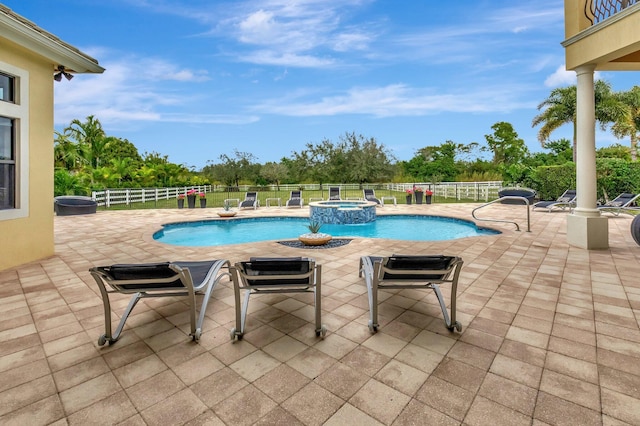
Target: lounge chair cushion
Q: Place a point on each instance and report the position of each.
(142, 271)
(413, 263)
(156, 271)
(264, 266)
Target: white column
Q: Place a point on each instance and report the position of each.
(586, 145)
(586, 228)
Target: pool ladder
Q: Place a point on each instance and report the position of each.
(506, 197)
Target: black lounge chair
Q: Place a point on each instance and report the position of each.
(411, 272)
(370, 195)
(334, 193)
(566, 201)
(295, 199)
(167, 279)
(622, 202)
(275, 275)
(250, 201)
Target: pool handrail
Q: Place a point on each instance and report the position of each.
(498, 200)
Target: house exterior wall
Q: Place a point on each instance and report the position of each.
(30, 238)
(613, 44)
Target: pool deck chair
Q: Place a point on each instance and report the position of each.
(566, 201)
(295, 199)
(411, 272)
(622, 202)
(275, 275)
(167, 279)
(370, 195)
(250, 201)
(334, 193)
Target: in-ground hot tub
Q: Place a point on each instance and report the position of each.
(342, 211)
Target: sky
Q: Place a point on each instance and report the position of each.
(197, 79)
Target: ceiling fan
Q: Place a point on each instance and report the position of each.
(61, 71)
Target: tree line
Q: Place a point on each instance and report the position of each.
(86, 158)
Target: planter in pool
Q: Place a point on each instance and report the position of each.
(317, 239)
(227, 213)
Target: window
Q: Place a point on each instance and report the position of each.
(7, 164)
(14, 142)
(6, 88)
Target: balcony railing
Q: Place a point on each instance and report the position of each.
(598, 10)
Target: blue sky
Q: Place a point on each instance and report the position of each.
(194, 79)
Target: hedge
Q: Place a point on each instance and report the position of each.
(614, 176)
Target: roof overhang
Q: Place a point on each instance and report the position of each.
(25, 33)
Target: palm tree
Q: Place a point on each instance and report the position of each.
(91, 137)
(146, 175)
(628, 123)
(561, 106)
(67, 153)
(121, 168)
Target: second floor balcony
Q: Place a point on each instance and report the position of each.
(597, 11)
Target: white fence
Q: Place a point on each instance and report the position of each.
(474, 191)
(128, 196)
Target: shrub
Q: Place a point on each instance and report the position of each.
(551, 181)
(615, 176)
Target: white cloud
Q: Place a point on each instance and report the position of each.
(527, 15)
(351, 41)
(266, 57)
(157, 69)
(399, 100)
(298, 33)
(561, 77)
(134, 89)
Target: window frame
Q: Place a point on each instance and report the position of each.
(18, 111)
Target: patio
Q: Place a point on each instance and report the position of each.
(550, 334)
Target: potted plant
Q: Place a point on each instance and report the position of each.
(203, 200)
(409, 193)
(419, 193)
(191, 198)
(180, 201)
(427, 196)
(227, 211)
(314, 238)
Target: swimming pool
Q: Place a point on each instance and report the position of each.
(237, 231)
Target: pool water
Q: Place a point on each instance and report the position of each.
(239, 231)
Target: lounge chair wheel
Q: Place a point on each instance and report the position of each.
(322, 332)
(373, 327)
(455, 325)
(102, 340)
(235, 335)
(196, 335)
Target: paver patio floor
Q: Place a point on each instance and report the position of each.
(550, 334)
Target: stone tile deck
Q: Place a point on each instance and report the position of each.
(550, 334)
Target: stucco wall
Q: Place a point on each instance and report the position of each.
(619, 37)
(31, 238)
